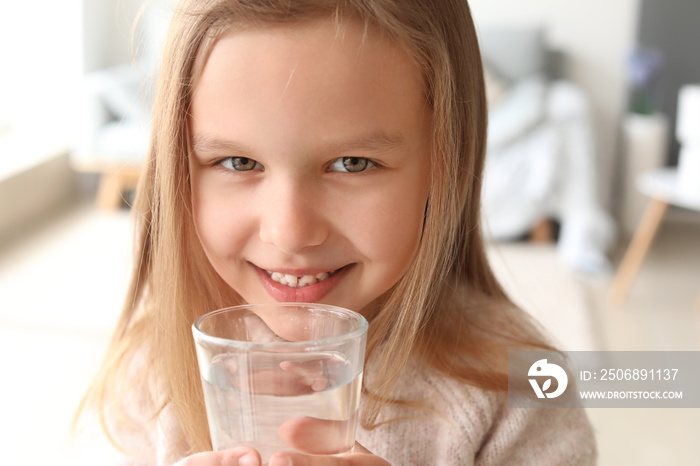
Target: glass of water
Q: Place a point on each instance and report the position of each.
(282, 376)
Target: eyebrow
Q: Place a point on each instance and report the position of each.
(203, 144)
(378, 141)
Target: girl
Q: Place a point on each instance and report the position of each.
(327, 151)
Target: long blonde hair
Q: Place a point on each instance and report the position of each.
(448, 310)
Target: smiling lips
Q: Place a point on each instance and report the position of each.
(294, 281)
(310, 287)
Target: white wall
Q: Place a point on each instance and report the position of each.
(595, 36)
(107, 32)
(39, 45)
(110, 37)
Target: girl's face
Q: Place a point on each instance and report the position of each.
(311, 163)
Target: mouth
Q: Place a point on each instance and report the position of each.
(300, 281)
(301, 285)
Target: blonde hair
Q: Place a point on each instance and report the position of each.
(448, 310)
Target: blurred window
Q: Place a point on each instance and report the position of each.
(41, 50)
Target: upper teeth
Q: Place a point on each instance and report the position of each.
(298, 282)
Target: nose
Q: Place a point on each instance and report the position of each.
(291, 217)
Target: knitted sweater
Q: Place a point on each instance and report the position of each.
(473, 427)
(476, 427)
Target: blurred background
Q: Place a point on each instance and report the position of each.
(591, 192)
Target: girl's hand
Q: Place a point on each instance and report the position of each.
(242, 456)
(304, 434)
(318, 439)
(239, 456)
(360, 457)
(316, 436)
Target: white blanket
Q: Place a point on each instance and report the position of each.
(541, 164)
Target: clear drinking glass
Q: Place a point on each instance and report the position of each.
(280, 375)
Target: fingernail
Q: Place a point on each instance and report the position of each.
(319, 384)
(248, 459)
(280, 461)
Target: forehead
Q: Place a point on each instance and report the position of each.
(322, 43)
(334, 31)
(290, 77)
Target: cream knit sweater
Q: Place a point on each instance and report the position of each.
(474, 427)
(477, 427)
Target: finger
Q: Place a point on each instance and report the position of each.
(261, 381)
(361, 457)
(222, 368)
(276, 382)
(239, 456)
(318, 436)
(311, 372)
(225, 360)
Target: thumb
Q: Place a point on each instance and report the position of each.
(360, 457)
(239, 456)
(318, 436)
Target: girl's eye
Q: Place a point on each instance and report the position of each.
(241, 164)
(351, 164)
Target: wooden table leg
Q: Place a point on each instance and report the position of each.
(114, 184)
(109, 195)
(637, 250)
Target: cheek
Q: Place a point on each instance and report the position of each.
(210, 228)
(390, 232)
(396, 234)
(219, 222)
